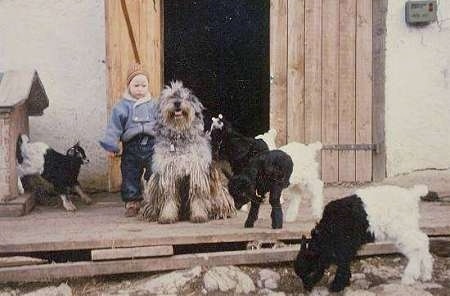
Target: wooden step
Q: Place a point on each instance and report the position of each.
(241, 257)
(130, 253)
(19, 206)
(20, 261)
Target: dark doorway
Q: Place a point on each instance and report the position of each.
(220, 50)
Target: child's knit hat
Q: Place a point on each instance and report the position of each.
(134, 70)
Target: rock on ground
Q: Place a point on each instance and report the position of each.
(170, 283)
(399, 290)
(61, 290)
(226, 278)
(268, 279)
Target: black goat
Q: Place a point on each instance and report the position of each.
(269, 171)
(230, 145)
(57, 169)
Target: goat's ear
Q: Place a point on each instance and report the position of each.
(70, 152)
(303, 243)
(77, 143)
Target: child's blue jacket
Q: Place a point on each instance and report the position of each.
(129, 117)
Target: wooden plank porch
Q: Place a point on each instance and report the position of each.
(101, 228)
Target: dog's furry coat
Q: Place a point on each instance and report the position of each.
(185, 183)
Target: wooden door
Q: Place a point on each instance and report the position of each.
(145, 17)
(321, 90)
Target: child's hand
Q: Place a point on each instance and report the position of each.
(112, 154)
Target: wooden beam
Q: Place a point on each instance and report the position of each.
(20, 261)
(136, 252)
(313, 71)
(347, 25)
(379, 10)
(19, 206)
(278, 69)
(296, 72)
(330, 88)
(440, 246)
(363, 105)
(88, 269)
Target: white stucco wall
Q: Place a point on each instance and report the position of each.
(417, 91)
(65, 41)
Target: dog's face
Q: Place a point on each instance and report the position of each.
(179, 107)
(241, 188)
(306, 265)
(77, 151)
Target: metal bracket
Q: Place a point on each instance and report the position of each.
(353, 147)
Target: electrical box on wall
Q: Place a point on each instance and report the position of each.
(420, 12)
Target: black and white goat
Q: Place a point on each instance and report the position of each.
(230, 145)
(305, 178)
(37, 158)
(387, 212)
(266, 172)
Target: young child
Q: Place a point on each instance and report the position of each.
(132, 123)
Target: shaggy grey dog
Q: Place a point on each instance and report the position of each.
(185, 183)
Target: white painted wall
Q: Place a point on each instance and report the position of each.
(65, 41)
(417, 91)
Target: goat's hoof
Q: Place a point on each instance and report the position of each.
(87, 200)
(70, 207)
(337, 287)
(277, 225)
(408, 280)
(249, 224)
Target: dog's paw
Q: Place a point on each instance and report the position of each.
(167, 220)
(199, 219)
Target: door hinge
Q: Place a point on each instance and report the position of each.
(352, 147)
